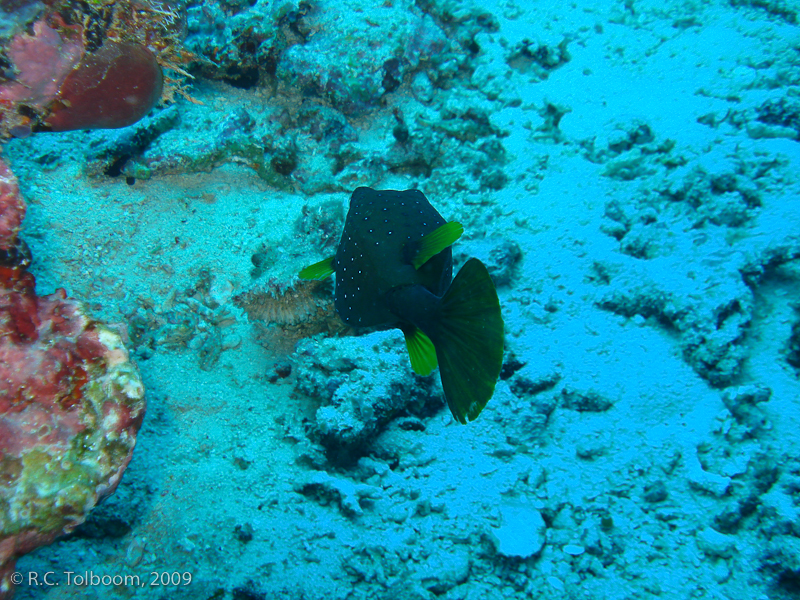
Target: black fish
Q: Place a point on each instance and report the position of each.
(394, 267)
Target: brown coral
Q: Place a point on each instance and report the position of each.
(287, 313)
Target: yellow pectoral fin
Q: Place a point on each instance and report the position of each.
(420, 350)
(434, 242)
(319, 270)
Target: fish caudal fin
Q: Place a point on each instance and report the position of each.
(469, 341)
(420, 350)
(434, 242)
(319, 270)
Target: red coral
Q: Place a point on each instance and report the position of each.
(113, 87)
(68, 396)
(12, 209)
(63, 82)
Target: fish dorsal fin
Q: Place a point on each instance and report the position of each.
(420, 350)
(319, 270)
(434, 242)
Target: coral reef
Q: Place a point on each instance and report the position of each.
(91, 65)
(71, 403)
(706, 208)
(314, 127)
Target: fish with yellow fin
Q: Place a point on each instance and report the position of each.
(394, 268)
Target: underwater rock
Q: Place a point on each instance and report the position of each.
(712, 324)
(743, 403)
(655, 492)
(780, 562)
(363, 383)
(538, 57)
(443, 571)
(584, 400)
(347, 495)
(793, 345)
(502, 257)
(704, 481)
(778, 118)
(332, 63)
(71, 403)
(715, 544)
(241, 48)
(522, 532)
(724, 193)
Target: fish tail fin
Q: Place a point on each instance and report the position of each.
(468, 338)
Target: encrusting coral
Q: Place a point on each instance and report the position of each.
(71, 403)
(92, 65)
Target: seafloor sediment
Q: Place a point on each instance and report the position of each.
(628, 173)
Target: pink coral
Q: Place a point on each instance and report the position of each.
(12, 209)
(42, 61)
(71, 403)
(63, 81)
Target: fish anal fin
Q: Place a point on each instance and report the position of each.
(420, 350)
